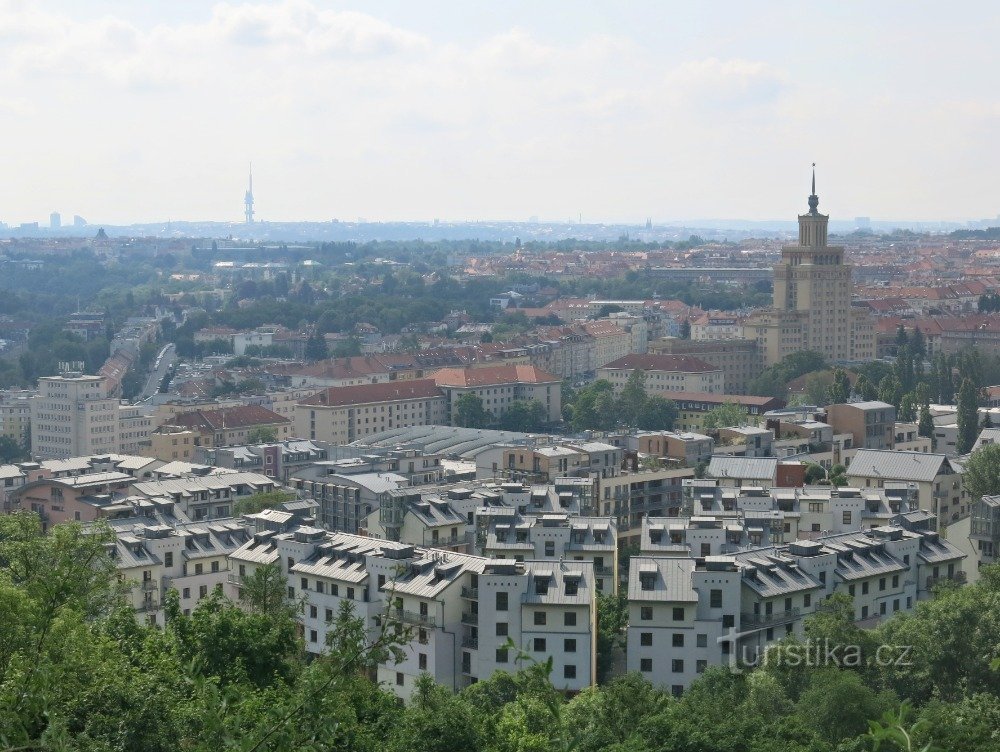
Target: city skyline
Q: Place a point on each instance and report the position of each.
(399, 114)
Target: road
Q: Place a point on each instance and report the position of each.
(165, 360)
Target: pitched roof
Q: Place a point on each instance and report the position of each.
(751, 468)
(241, 416)
(894, 465)
(656, 362)
(390, 391)
(490, 375)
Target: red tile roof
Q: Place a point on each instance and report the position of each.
(241, 416)
(490, 375)
(362, 394)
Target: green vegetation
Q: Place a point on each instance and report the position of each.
(726, 415)
(261, 501)
(78, 672)
(982, 472)
(595, 407)
(773, 380)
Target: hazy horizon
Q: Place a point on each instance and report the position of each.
(136, 113)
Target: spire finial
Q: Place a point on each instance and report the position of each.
(813, 198)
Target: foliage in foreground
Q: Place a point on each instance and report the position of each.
(77, 672)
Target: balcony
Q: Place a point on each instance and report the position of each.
(149, 586)
(471, 642)
(451, 540)
(470, 593)
(762, 621)
(412, 617)
(234, 579)
(604, 571)
(147, 606)
(470, 619)
(958, 578)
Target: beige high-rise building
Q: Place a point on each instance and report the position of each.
(73, 416)
(812, 300)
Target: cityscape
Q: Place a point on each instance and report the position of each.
(630, 479)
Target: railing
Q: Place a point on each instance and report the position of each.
(760, 621)
(471, 642)
(234, 579)
(451, 540)
(150, 585)
(147, 606)
(604, 571)
(412, 617)
(470, 593)
(958, 578)
(470, 619)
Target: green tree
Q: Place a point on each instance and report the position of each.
(982, 472)
(612, 621)
(658, 414)
(840, 389)
(316, 348)
(926, 426)
(437, 721)
(865, 389)
(526, 416)
(260, 501)
(470, 412)
(726, 415)
(11, 450)
(262, 435)
(907, 408)
(890, 390)
(632, 400)
(968, 417)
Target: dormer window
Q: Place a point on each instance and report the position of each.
(647, 580)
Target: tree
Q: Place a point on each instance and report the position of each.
(264, 590)
(726, 415)
(260, 501)
(470, 412)
(612, 620)
(632, 400)
(262, 435)
(890, 390)
(817, 387)
(968, 417)
(840, 389)
(316, 348)
(685, 329)
(525, 416)
(926, 425)
(982, 472)
(907, 408)
(658, 414)
(865, 389)
(11, 450)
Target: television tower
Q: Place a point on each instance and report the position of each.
(248, 199)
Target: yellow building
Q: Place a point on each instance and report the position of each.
(812, 300)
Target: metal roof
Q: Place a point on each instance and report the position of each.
(893, 465)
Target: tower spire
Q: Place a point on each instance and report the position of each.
(813, 198)
(248, 198)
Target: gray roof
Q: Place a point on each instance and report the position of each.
(671, 579)
(556, 573)
(751, 468)
(893, 465)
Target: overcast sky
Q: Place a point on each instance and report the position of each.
(126, 111)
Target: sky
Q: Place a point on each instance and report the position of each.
(124, 111)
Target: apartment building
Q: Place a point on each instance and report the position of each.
(275, 460)
(740, 359)
(872, 425)
(421, 519)
(461, 609)
(937, 478)
(77, 498)
(984, 531)
(687, 614)
(227, 426)
(632, 495)
(499, 386)
(136, 424)
(73, 415)
(504, 533)
(685, 447)
(341, 415)
(666, 374)
(543, 464)
(207, 497)
(15, 414)
(693, 406)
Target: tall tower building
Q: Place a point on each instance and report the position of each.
(248, 199)
(812, 300)
(73, 416)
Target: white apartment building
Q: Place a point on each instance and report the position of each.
(686, 614)
(666, 374)
(462, 609)
(73, 416)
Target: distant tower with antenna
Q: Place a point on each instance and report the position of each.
(248, 199)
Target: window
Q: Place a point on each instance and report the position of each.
(646, 665)
(291, 591)
(881, 608)
(539, 618)
(846, 518)
(850, 589)
(329, 614)
(198, 568)
(187, 593)
(550, 548)
(569, 645)
(313, 637)
(399, 679)
(313, 612)
(700, 665)
(422, 661)
(291, 563)
(381, 580)
(539, 645)
(501, 655)
(168, 559)
(881, 583)
(572, 586)
(702, 641)
(319, 586)
(569, 672)
(203, 591)
(305, 584)
(895, 580)
(864, 588)
(646, 639)
(677, 666)
(215, 566)
(677, 640)
(807, 600)
(728, 621)
(501, 601)
(646, 613)
(678, 613)
(569, 619)
(350, 593)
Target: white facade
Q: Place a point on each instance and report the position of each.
(73, 416)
